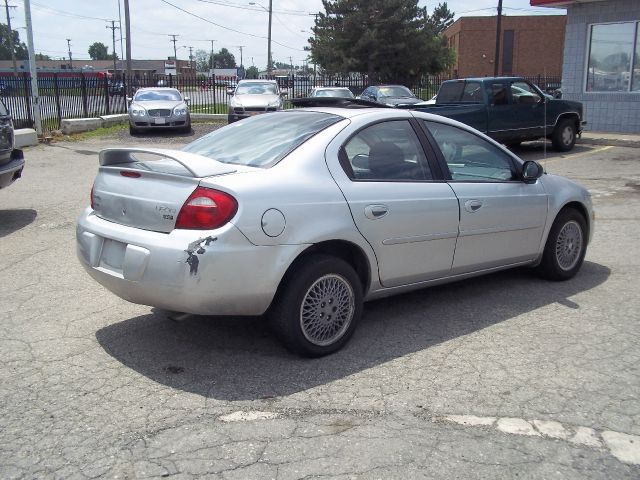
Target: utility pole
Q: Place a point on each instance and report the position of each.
(175, 50)
(269, 64)
(211, 64)
(127, 26)
(496, 61)
(69, 48)
(35, 99)
(113, 34)
(241, 47)
(314, 36)
(190, 57)
(291, 63)
(120, 23)
(13, 51)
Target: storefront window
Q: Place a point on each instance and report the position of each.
(611, 51)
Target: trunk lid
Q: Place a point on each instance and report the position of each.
(146, 188)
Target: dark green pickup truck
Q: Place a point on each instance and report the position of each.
(508, 109)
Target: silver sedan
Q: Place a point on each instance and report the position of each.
(152, 108)
(306, 214)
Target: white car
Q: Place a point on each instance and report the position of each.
(252, 97)
(155, 108)
(307, 213)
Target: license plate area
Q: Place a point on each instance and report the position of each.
(159, 121)
(112, 257)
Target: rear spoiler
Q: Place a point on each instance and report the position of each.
(197, 165)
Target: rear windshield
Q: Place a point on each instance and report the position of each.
(333, 92)
(460, 92)
(398, 91)
(263, 140)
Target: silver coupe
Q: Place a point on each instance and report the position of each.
(305, 214)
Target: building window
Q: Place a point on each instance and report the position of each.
(614, 50)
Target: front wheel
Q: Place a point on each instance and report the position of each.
(566, 246)
(318, 307)
(563, 137)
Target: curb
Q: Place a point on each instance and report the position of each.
(614, 142)
(78, 125)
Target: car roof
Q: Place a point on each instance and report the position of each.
(483, 79)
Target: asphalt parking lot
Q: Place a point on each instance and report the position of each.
(506, 376)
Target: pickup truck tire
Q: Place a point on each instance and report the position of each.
(566, 246)
(563, 137)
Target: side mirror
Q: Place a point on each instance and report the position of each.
(229, 91)
(531, 171)
(284, 94)
(129, 99)
(187, 99)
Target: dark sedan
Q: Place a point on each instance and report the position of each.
(392, 95)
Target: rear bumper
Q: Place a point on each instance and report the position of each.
(11, 171)
(231, 275)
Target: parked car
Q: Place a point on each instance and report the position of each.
(393, 95)
(11, 159)
(306, 213)
(431, 101)
(252, 97)
(342, 92)
(510, 110)
(116, 88)
(6, 88)
(160, 107)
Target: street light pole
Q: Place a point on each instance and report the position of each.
(270, 10)
(496, 61)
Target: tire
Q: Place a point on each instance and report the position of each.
(563, 137)
(322, 292)
(566, 246)
(186, 128)
(132, 130)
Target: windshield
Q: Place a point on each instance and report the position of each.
(146, 95)
(398, 91)
(334, 92)
(256, 89)
(263, 140)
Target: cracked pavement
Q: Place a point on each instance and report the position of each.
(501, 376)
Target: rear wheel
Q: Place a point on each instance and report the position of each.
(563, 137)
(566, 246)
(318, 307)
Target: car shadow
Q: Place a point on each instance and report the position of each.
(535, 150)
(14, 220)
(238, 358)
(164, 133)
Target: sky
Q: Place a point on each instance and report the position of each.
(231, 23)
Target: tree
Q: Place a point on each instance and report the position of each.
(440, 19)
(252, 72)
(42, 56)
(390, 40)
(202, 59)
(99, 51)
(20, 48)
(224, 59)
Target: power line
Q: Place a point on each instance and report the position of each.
(68, 14)
(254, 9)
(227, 28)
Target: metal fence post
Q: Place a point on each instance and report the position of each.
(56, 93)
(105, 83)
(170, 80)
(27, 97)
(85, 104)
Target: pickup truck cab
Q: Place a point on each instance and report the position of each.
(510, 110)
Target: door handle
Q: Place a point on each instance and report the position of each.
(375, 211)
(472, 206)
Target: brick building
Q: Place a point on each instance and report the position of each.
(530, 45)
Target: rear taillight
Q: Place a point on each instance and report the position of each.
(206, 209)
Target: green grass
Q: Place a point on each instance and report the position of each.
(100, 132)
(209, 108)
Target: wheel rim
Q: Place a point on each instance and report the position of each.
(569, 245)
(567, 135)
(327, 310)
